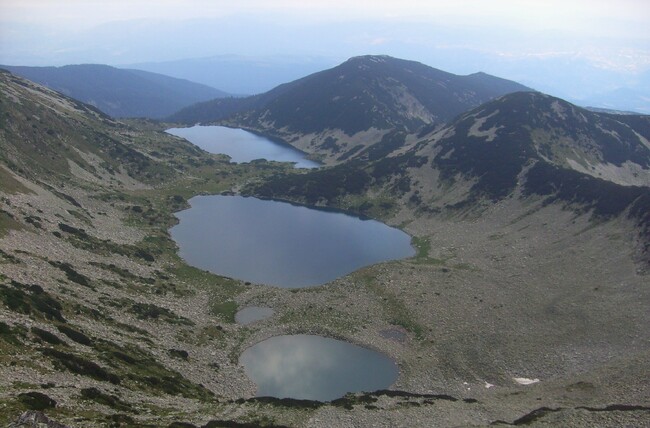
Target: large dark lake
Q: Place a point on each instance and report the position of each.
(315, 368)
(281, 244)
(240, 145)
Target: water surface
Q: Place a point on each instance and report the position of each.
(241, 146)
(277, 243)
(251, 314)
(315, 368)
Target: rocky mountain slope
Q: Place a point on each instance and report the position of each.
(545, 207)
(88, 297)
(517, 309)
(521, 144)
(118, 92)
(338, 110)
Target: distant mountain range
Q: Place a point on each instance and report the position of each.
(238, 74)
(120, 93)
(625, 99)
(333, 111)
(249, 75)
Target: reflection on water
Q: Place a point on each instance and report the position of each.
(315, 368)
(251, 314)
(240, 145)
(276, 243)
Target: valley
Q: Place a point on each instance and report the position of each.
(526, 301)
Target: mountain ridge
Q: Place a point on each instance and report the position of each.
(120, 92)
(330, 112)
(525, 144)
(238, 74)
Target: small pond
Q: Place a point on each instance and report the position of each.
(315, 368)
(251, 314)
(277, 243)
(241, 146)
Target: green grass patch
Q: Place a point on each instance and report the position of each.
(396, 311)
(140, 367)
(7, 258)
(463, 266)
(208, 335)
(36, 400)
(222, 290)
(80, 216)
(112, 401)
(145, 311)
(11, 335)
(31, 300)
(178, 353)
(8, 222)
(82, 240)
(380, 207)
(225, 310)
(48, 337)
(79, 365)
(75, 335)
(9, 184)
(72, 274)
(422, 247)
(186, 272)
(123, 273)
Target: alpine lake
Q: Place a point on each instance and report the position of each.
(275, 243)
(241, 146)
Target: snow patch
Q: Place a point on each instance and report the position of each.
(525, 380)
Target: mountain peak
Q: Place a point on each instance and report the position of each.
(381, 61)
(371, 58)
(336, 112)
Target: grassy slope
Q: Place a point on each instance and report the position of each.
(90, 282)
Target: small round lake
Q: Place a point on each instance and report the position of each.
(315, 368)
(277, 243)
(241, 146)
(252, 314)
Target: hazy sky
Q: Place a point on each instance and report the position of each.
(590, 17)
(520, 39)
(618, 24)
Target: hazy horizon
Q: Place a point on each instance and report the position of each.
(573, 49)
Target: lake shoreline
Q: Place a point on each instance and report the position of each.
(243, 145)
(294, 247)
